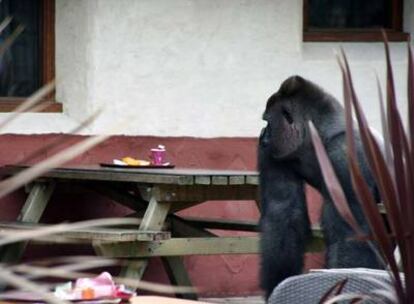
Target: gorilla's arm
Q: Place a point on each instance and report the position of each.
(284, 222)
(342, 250)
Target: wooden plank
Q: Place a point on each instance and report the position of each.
(134, 269)
(252, 180)
(117, 235)
(237, 180)
(219, 180)
(153, 219)
(124, 177)
(32, 210)
(162, 176)
(48, 42)
(90, 234)
(223, 224)
(196, 246)
(10, 105)
(184, 246)
(202, 180)
(360, 36)
(182, 171)
(36, 202)
(113, 175)
(155, 214)
(201, 193)
(163, 172)
(103, 236)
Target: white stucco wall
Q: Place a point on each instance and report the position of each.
(199, 68)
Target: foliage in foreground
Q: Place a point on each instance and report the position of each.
(393, 169)
(29, 276)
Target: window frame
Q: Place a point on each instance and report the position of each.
(47, 62)
(395, 33)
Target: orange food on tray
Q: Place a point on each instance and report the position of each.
(135, 162)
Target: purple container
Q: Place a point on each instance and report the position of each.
(157, 156)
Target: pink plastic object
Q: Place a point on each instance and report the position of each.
(102, 285)
(158, 155)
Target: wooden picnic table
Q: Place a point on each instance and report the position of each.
(155, 195)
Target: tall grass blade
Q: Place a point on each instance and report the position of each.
(13, 183)
(403, 164)
(18, 236)
(376, 222)
(410, 169)
(65, 274)
(385, 131)
(396, 128)
(29, 103)
(59, 140)
(383, 178)
(5, 23)
(410, 88)
(376, 160)
(9, 185)
(332, 182)
(91, 262)
(26, 285)
(6, 44)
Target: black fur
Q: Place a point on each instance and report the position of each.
(286, 161)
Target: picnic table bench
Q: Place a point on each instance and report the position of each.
(155, 195)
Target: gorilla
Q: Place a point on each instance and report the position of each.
(287, 160)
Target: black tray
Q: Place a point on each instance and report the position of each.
(109, 165)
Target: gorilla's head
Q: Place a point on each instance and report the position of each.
(287, 114)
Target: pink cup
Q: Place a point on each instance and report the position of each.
(157, 156)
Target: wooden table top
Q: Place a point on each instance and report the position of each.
(177, 176)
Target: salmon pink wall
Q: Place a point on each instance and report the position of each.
(231, 275)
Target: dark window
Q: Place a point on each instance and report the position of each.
(20, 65)
(29, 62)
(352, 20)
(349, 14)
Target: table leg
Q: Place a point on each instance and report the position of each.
(31, 212)
(153, 219)
(134, 269)
(155, 214)
(178, 275)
